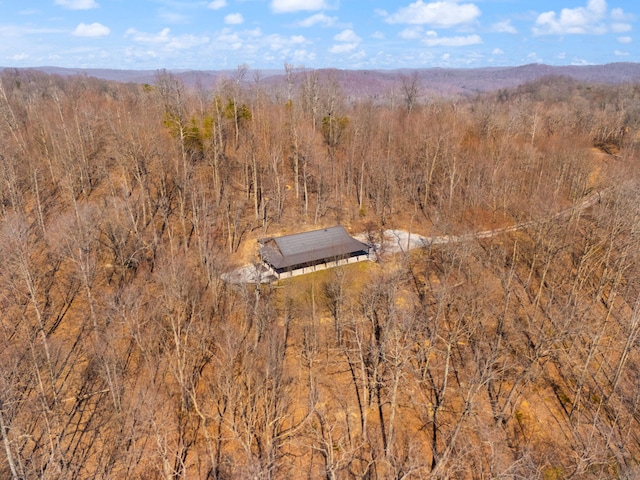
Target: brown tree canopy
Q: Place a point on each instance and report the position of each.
(124, 355)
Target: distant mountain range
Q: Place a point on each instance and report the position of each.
(376, 83)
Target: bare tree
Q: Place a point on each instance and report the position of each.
(410, 90)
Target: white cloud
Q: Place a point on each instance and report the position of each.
(620, 27)
(504, 27)
(217, 4)
(302, 56)
(619, 15)
(19, 56)
(625, 39)
(347, 36)
(183, 42)
(318, 19)
(164, 37)
(278, 42)
(286, 6)
(255, 33)
(229, 40)
(411, 33)
(446, 13)
(91, 30)
(343, 48)
(378, 35)
(497, 51)
(137, 55)
(432, 40)
(349, 42)
(77, 4)
(533, 58)
(234, 19)
(15, 31)
(590, 19)
(143, 37)
(173, 17)
(619, 53)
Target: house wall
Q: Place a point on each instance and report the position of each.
(322, 266)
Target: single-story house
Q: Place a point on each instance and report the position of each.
(307, 252)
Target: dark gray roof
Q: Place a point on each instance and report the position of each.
(309, 247)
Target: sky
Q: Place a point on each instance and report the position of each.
(345, 34)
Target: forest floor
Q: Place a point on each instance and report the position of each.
(400, 241)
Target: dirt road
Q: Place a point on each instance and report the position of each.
(401, 241)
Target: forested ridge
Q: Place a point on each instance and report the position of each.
(123, 354)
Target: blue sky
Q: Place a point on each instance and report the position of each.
(363, 34)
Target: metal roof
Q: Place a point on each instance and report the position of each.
(309, 247)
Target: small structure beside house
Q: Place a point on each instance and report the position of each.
(308, 252)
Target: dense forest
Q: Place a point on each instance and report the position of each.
(123, 354)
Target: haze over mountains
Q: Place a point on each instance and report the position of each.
(358, 84)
